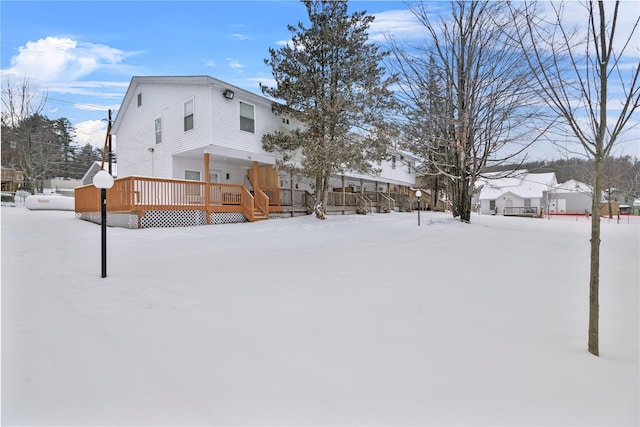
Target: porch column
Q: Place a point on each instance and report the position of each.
(361, 186)
(207, 190)
(292, 190)
(254, 177)
(343, 191)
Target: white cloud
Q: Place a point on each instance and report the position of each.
(210, 63)
(241, 36)
(400, 24)
(54, 59)
(91, 132)
(233, 63)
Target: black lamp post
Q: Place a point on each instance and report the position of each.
(418, 195)
(103, 181)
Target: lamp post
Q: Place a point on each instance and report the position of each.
(103, 180)
(418, 195)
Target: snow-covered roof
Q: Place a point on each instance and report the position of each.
(572, 186)
(95, 167)
(520, 183)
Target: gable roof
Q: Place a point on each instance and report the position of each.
(521, 183)
(572, 186)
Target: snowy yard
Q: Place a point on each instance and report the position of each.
(356, 320)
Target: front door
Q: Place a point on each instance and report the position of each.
(214, 176)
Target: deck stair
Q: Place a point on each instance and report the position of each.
(258, 215)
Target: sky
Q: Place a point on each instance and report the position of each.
(355, 320)
(84, 53)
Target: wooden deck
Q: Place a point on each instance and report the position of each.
(138, 196)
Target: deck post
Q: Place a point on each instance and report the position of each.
(293, 199)
(207, 190)
(343, 191)
(254, 177)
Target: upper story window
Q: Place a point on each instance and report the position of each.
(393, 162)
(247, 118)
(158, 130)
(188, 115)
(139, 100)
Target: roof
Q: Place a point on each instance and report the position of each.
(520, 183)
(572, 186)
(95, 167)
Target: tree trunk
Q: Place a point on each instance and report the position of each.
(434, 194)
(322, 194)
(594, 276)
(465, 200)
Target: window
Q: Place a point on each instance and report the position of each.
(188, 115)
(492, 205)
(527, 203)
(192, 175)
(139, 99)
(393, 162)
(247, 118)
(158, 128)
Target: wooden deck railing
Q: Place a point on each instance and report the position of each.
(139, 194)
(131, 194)
(382, 200)
(261, 201)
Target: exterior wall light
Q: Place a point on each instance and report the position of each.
(228, 94)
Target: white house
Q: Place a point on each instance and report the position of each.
(520, 193)
(202, 130)
(571, 197)
(95, 167)
(166, 125)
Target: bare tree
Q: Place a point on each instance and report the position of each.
(465, 97)
(31, 142)
(582, 74)
(20, 101)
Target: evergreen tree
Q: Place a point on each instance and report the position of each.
(330, 79)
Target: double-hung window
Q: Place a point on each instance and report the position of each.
(247, 118)
(188, 115)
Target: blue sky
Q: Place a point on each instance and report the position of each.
(84, 53)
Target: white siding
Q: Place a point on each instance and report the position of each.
(216, 122)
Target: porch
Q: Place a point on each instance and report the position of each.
(142, 202)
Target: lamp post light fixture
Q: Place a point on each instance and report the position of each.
(418, 195)
(103, 180)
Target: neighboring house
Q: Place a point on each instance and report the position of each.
(521, 193)
(61, 186)
(95, 167)
(12, 179)
(622, 197)
(569, 198)
(173, 131)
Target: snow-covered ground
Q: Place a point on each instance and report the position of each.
(356, 320)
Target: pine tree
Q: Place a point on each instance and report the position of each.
(330, 79)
